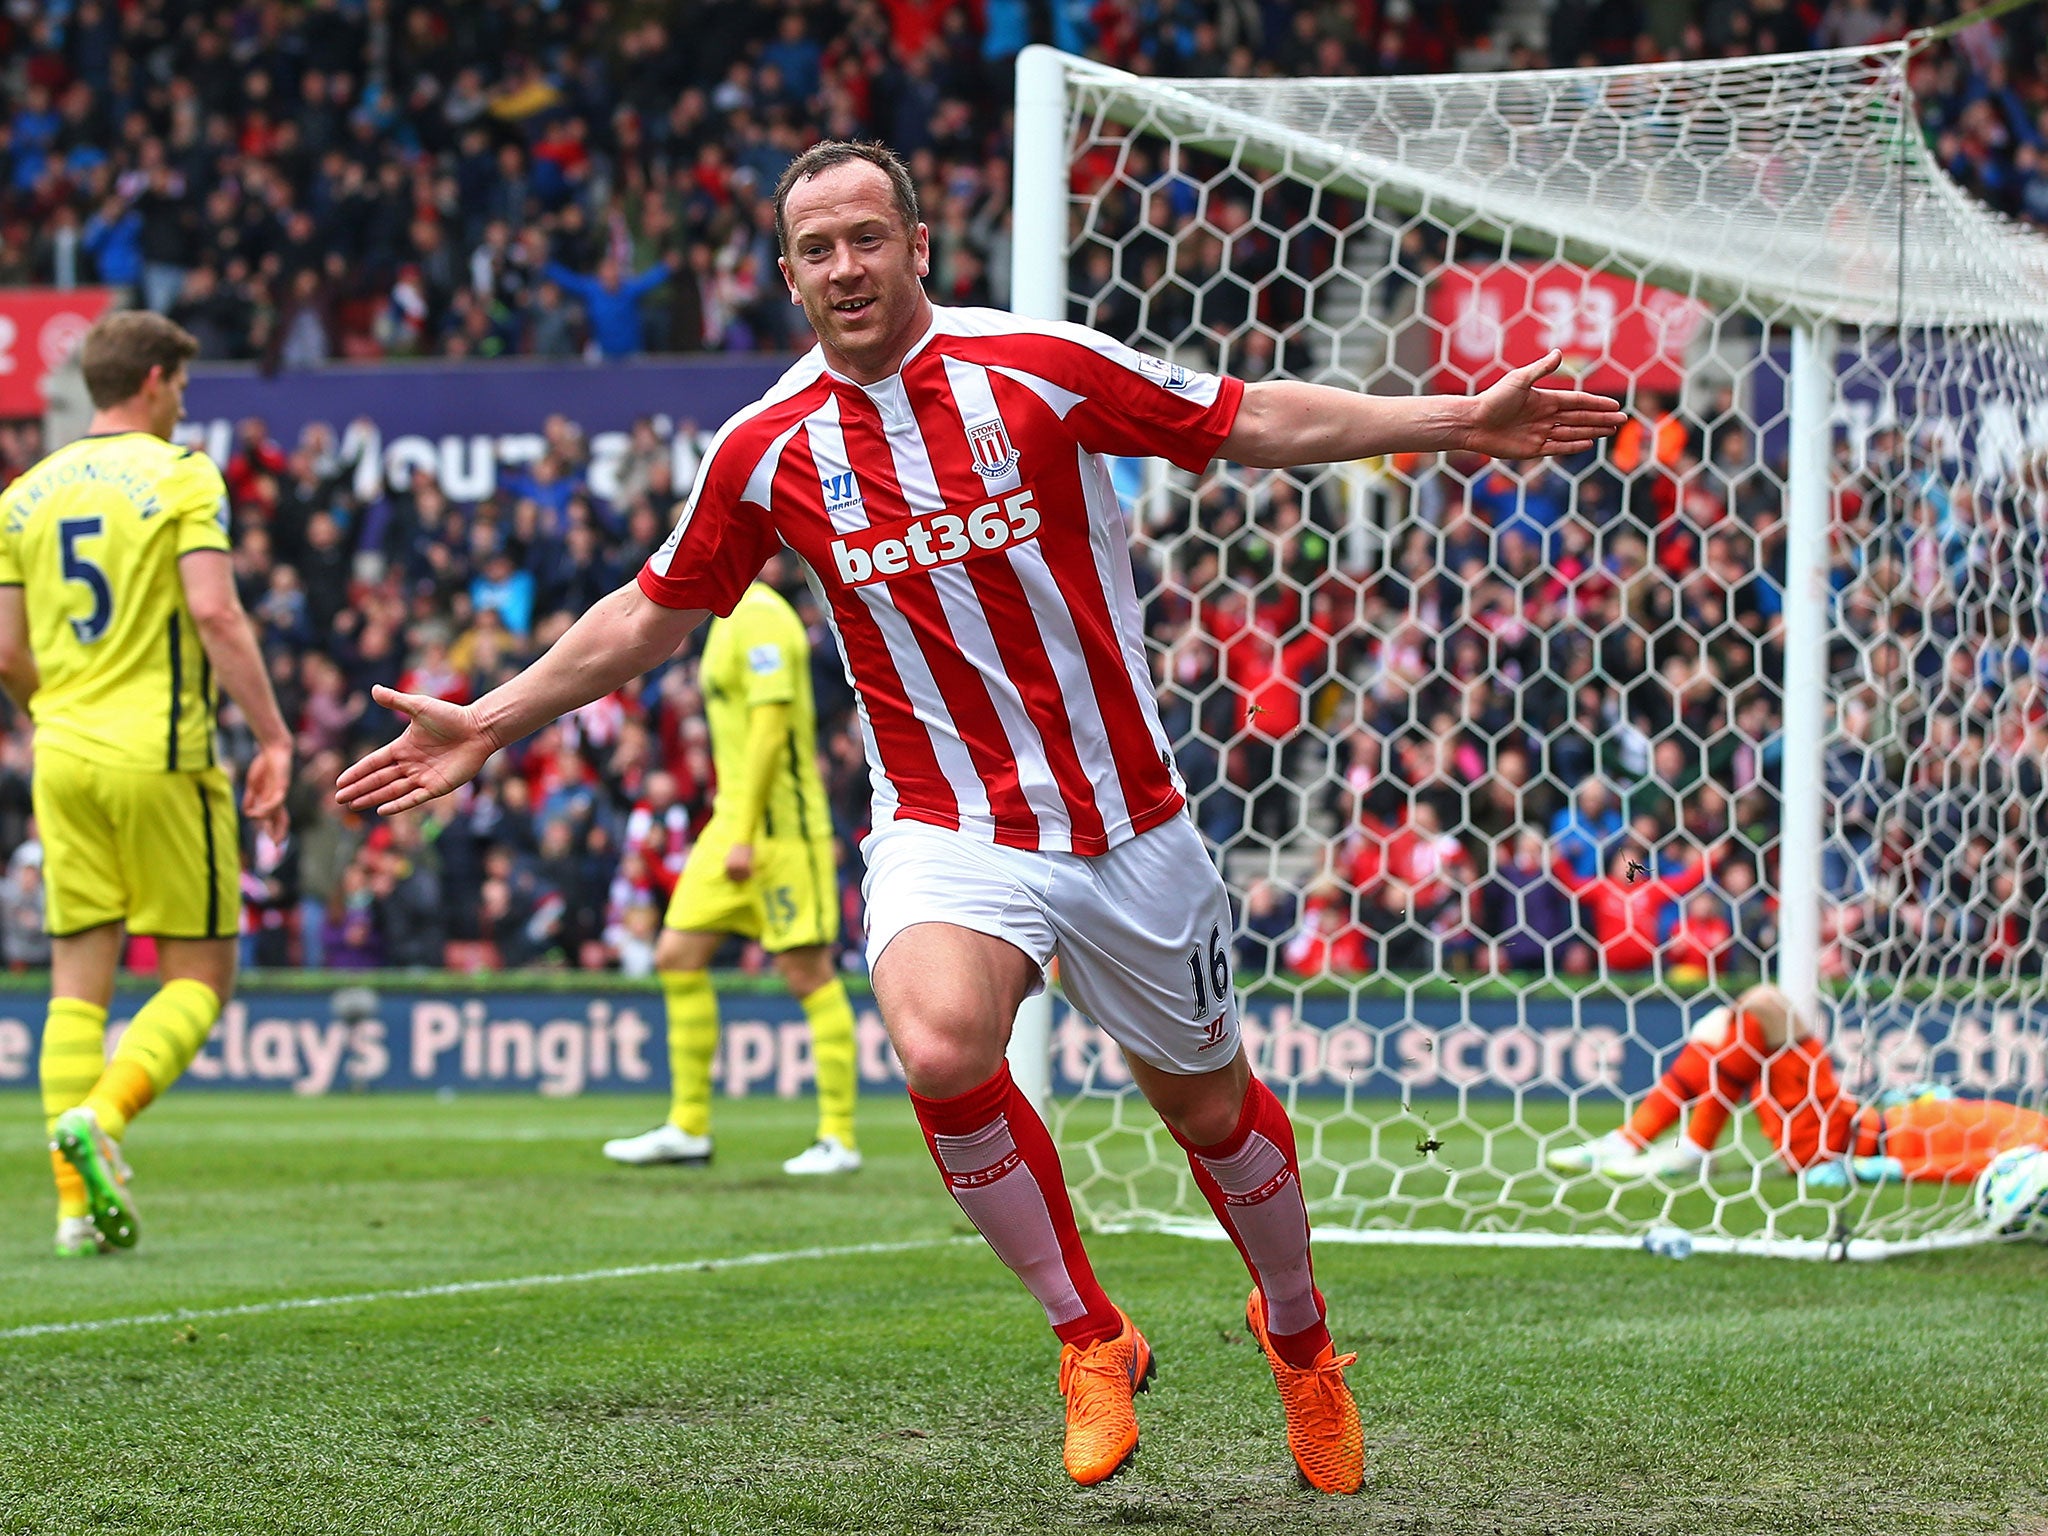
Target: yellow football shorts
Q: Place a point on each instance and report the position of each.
(159, 851)
(791, 902)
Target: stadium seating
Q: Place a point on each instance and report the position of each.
(480, 181)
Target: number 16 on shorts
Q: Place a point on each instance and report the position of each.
(1209, 971)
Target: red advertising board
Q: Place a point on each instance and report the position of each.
(39, 329)
(1614, 332)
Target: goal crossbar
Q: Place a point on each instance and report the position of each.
(1523, 167)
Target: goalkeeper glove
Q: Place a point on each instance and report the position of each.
(1914, 1093)
(1845, 1172)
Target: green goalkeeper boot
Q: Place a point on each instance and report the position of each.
(80, 1141)
(1847, 1172)
(78, 1238)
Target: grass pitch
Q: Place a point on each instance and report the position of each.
(911, 1388)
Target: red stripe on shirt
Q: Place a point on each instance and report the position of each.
(1121, 412)
(908, 762)
(726, 542)
(1027, 661)
(1148, 788)
(960, 685)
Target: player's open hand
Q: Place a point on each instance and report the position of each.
(442, 748)
(1517, 420)
(263, 790)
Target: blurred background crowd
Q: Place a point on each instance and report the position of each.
(351, 178)
(1537, 732)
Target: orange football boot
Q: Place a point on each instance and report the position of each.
(1099, 1383)
(1322, 1417)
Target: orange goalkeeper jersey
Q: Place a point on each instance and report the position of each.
(1955, 1139)
(1809, 1118)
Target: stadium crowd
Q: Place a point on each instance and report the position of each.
(1539, 733)
(351, 178)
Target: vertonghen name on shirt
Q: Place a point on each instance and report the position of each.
(925, 543)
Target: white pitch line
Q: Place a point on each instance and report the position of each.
(472, 1287)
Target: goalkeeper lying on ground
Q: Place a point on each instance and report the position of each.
(1760, 1049)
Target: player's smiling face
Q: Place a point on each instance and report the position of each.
(856, 268)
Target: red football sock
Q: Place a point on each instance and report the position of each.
(1253, 1183)
(1000, 1165)
(1718, 1073)
(1683, 1081)
(1708, 1119)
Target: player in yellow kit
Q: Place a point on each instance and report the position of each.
(763, 869)
(118, 615)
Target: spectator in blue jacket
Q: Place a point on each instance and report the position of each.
(1581, 833)
(113, 239)
(612, 306)
(508, 589)
(35, 129)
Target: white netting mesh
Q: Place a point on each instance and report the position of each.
(1763, 181)
(1420, 701)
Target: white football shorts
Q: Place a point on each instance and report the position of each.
(1142, 932)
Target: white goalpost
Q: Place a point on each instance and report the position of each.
(1784, 644)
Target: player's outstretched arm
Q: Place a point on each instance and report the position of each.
(1283, 423)
(230, 644)
(444, 744)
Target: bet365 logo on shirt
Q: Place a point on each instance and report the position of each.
(926, 543)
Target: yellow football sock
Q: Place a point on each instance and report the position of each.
(831, 1017)
(71, 1196)
(160, 1042)
(74, 1053)
(692, 1040)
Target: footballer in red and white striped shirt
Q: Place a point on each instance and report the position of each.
(960, 519)
(941, 471)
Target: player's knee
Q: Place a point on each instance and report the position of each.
(1712, 1027)
(940, 1063)
(210, 962)
(1206, 1122)
(1202, 1108)
(1772, 1011)
(672, 952)
(803, 971)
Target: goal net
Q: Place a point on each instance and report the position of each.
(1518, 771)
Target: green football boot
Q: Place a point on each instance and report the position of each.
(80, 1141)
(78, 1238)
